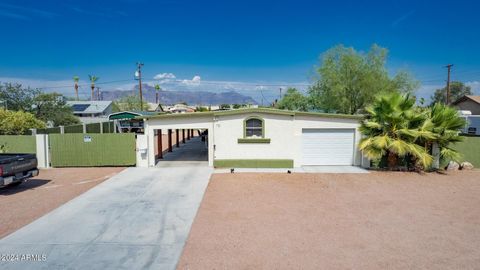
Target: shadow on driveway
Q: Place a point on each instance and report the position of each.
(27, 185)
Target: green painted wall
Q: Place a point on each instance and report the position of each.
(470, 150)
(19, 143)
(71, 150)
(253, 163)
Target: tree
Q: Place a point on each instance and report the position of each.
(349, 80)
(17, 122)
(293, 100)
(225, 106)
(157, 93)
(75, 80)
(397, 130)
(17, 98)
(130, 103)
(457, 90)
(93, 79)
(52, 107)
(391, 129)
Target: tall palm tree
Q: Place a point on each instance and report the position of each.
(157, 91)
(75, 80)
(391, 128)
(93, 79)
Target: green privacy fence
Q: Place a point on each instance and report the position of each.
(470, 149)
(108, 127)
(90, 150)
(19, 144)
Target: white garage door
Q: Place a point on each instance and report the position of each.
(327, 146)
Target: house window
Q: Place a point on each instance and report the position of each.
(254, 128)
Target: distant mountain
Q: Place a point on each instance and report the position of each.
(190, 97)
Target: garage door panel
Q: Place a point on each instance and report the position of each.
(327, 146)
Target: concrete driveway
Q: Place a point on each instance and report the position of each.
(138, 219)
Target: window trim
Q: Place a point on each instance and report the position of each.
(245, 127)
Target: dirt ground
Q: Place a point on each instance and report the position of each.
(337, 221)
(20, 205)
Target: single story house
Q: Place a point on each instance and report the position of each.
(468, 103)
(91, 111)
(261, 137)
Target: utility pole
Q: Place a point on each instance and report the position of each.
(280, 94)
(449, 66)
(138, 76)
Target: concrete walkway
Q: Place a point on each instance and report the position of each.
(138, 219)
(193, 153)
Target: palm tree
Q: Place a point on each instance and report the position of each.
(157, 90)
(93, 79)
(445, 123)
(391, 128)
(75, 80)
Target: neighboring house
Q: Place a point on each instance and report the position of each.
(154, 107)
(468, 103)
(469, 107)
(260, 137)
(180, 108)
(129, 121)
(91, 111)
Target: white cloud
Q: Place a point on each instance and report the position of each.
(475, 85)
(195, 81)
(165, 78)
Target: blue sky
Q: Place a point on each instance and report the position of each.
(243, 45)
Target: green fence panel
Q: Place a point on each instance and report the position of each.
(19, 144)
(93, 128)
(74, 129)
(470, 149)
(92, 150)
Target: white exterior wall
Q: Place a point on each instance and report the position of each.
(195, 122)
(278, 128)
(284, 132)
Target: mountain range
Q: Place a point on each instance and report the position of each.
(174, 97)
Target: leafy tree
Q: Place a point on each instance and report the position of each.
(17, 98)
(236, 106)
(52, 107)
(201, 109)
(17, 122)
(349, 80)
(225, 106)
(130, 103)
(457, 90)
(293, 100)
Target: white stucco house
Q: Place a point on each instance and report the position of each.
(269, 138)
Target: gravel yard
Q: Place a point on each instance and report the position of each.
(381, 220)
(20, 205)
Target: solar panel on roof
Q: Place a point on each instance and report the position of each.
(80, 107)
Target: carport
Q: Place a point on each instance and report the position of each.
(178, 138)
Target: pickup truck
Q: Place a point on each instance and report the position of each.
(15, 168)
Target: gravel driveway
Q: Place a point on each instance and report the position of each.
(138, 219)
(337, 221)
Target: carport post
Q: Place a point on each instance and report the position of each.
(188, 134)
(169, 140)
(183, 135)
(177, 134)
(191, 130)
(159, 143)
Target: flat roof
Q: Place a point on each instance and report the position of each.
(253, 110)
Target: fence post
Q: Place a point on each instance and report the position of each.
(62, 129)
(114, 126)
(101, 127)
(84, 126)
(42, 151)
(34, 131)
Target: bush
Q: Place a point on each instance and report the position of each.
(18, 123)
